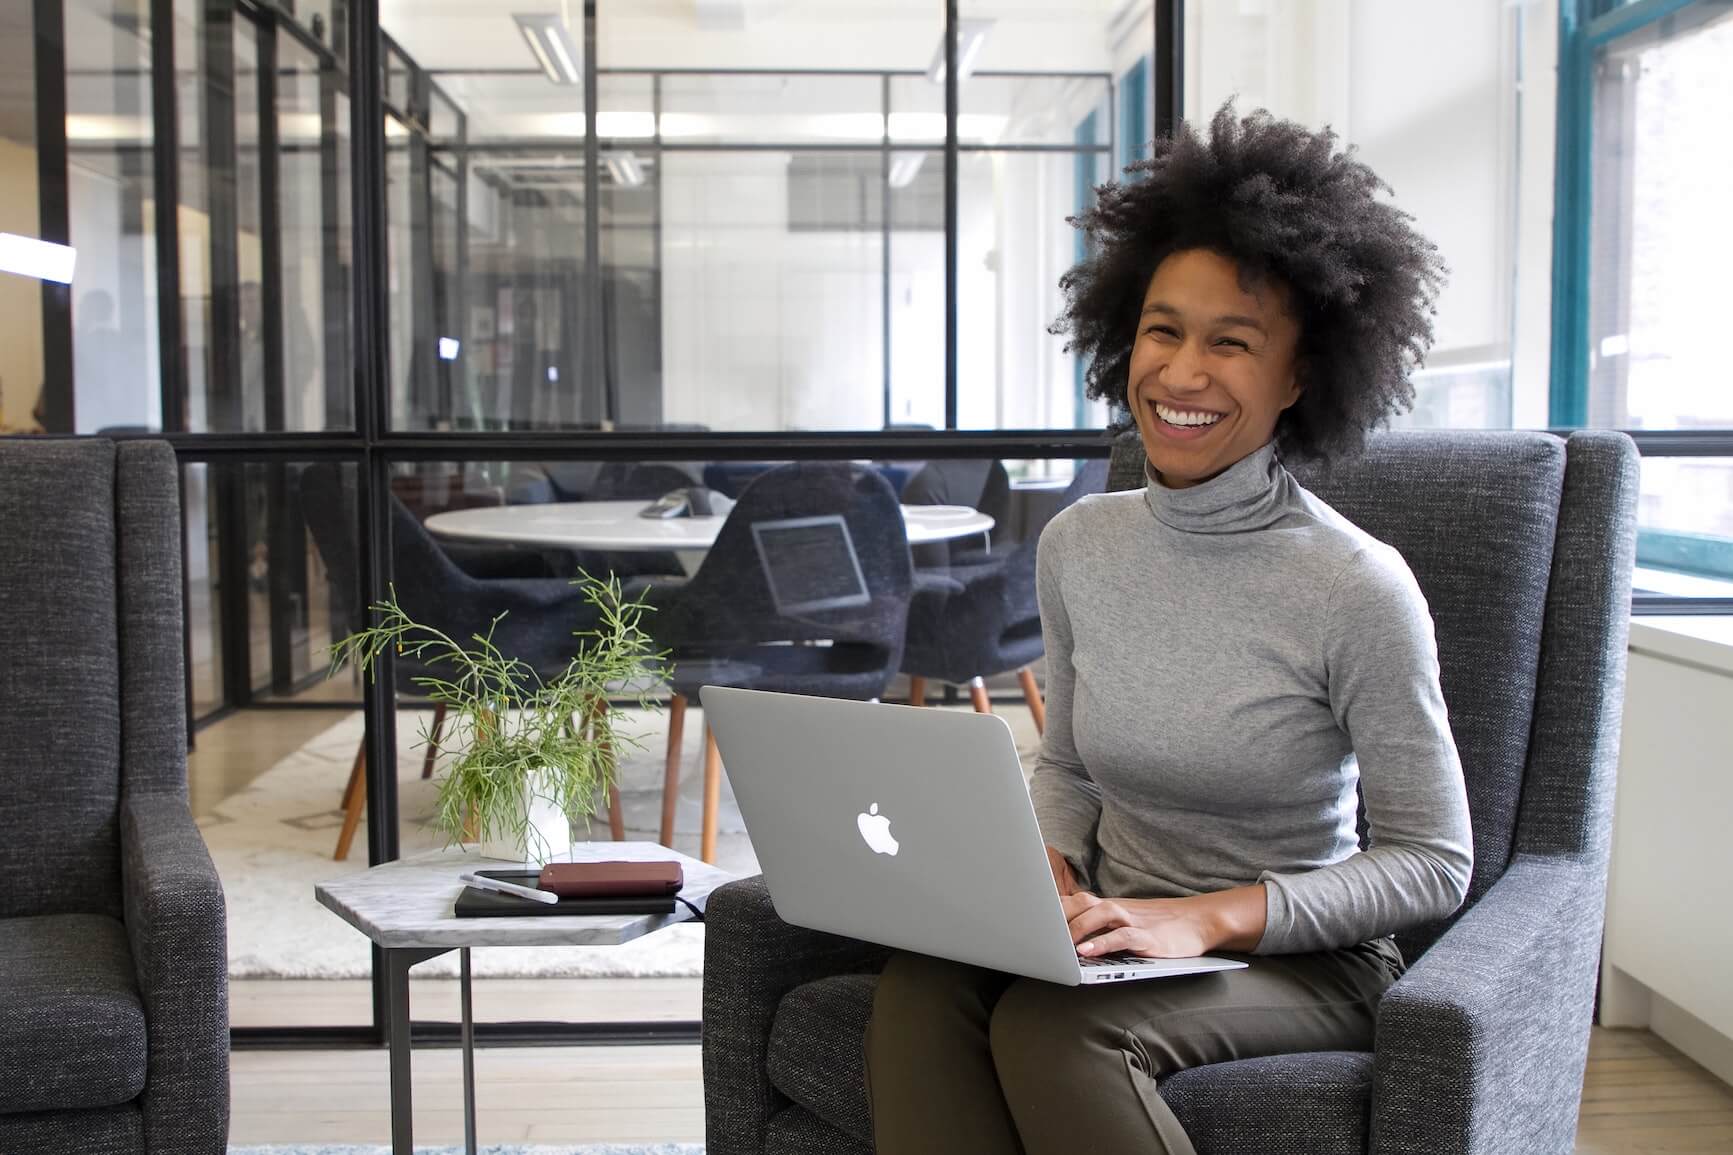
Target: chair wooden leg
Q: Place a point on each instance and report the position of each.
(354, 798)
(978, 695)
(355, 771)
(917, 691)
(712, 794)
(433, 739)
(616, 818)
(1032, 695)
(671, 770)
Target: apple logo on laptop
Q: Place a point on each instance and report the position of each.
(876, 829)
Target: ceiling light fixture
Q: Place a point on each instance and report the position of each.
(625, 167)
(904, 168)
(551, 44)
(29, 257)
(971, 36)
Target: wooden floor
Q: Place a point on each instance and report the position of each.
(1640, 1097)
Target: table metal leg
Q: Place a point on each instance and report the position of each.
(468, 1060)
(397, 964)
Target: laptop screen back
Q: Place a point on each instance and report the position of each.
(810, 564)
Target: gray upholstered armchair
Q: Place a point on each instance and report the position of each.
(114, 1030)
(1523, 545)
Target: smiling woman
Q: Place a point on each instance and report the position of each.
(1232, 667)
(1213, 366)
(1262, 222)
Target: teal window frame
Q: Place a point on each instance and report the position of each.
(1084, 184)
(1586, 27)
(1134, 112)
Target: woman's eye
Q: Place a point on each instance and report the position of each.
(1233, 343)
(1161, 331)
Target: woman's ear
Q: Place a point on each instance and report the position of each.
(1294, 390)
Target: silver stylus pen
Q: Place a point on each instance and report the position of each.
(482, 882)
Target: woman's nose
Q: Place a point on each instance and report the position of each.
(1184, 370)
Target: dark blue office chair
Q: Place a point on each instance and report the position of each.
(980, 485)
(541, 613)
(970, 621)
(813, 552)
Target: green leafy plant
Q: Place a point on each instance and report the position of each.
(507, 728)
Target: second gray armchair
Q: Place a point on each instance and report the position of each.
(1523, 545)
(114, 1029)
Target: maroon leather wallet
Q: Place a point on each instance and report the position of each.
(611, 879)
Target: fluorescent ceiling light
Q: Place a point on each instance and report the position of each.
(625, 168)
(905, 167)
(448, 347)
(29, 257)
(551, 44)
(971, 35)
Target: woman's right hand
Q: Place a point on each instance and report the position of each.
(1062, 876)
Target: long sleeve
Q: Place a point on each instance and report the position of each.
(1067, 800)
(1381, 661)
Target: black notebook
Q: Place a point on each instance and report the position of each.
(474, 903)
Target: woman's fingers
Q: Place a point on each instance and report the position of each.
(1125, 938)
(1095, 918)
(1076, 903)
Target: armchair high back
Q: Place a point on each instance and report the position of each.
(1523, 545)
(114, 1032)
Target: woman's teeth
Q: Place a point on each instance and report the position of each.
(1177, 417)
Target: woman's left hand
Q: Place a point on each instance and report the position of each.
(1166, 927)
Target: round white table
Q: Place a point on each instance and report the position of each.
(616, 525)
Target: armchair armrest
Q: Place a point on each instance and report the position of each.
(751, 959)
(174, 914)
(1481, 1044)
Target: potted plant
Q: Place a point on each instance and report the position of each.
(529, 757)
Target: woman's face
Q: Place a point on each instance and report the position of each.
(1208, 347)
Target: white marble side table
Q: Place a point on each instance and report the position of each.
(405, 907)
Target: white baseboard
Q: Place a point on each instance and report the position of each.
(1695, 1038)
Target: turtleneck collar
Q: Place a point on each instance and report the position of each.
(1248, 495)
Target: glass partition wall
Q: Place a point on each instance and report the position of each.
(370, 265)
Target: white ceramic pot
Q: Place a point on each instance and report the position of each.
(547, 835)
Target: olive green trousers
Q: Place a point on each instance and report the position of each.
(965, 1059)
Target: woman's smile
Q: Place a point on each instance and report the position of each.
(1183, 424)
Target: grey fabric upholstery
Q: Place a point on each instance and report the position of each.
(59, 679)
(1523, 545)
(1321, 1099)
(71, 1025)
(103, 867)
(834, 1008)
(108, 1131)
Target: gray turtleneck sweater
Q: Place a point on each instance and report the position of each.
(1225, 663)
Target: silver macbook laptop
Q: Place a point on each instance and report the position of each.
(908, 827)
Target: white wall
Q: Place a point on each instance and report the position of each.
(1664, 963)
(1429, 95)
(763, 328)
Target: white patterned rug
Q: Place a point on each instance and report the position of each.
(590, 1149)
(273, 841)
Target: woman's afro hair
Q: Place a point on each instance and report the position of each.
(1280, 202)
